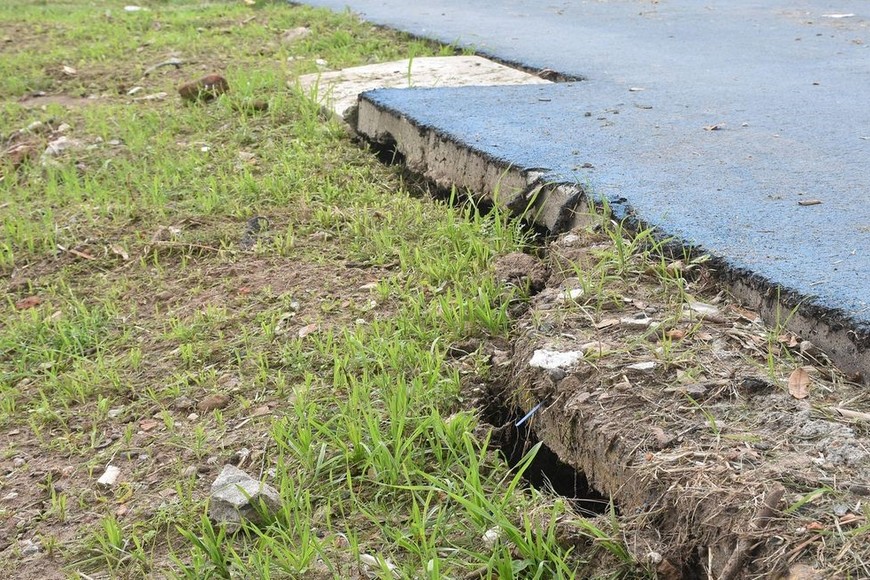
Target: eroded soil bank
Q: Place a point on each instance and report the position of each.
(729, 449)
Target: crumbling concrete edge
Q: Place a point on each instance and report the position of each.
(532, 194)
(523, 192)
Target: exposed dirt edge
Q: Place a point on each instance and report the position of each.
(706, 453)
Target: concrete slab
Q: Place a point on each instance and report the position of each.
(717, 122)
(338, 90)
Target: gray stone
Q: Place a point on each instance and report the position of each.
(29, 548)
(236, 497)
(60, 145)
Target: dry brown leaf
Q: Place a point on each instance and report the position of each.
(75, 252)
(306, 330)
(849, 414)
(119, 251)
(850, 519)
(744, 313)
(799, 383)
(29, 302)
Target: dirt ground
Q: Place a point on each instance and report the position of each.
(729, 449)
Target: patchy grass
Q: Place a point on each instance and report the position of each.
(174, 252)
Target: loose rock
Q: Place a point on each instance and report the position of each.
(521, 270)
(207, 88)
(703, 311)
(295, 34)
(109, 477)
(551, 359)
(642, 322)
(236, 497)
(212, 402)
(491, 537)
(60, 145)
(29, 548)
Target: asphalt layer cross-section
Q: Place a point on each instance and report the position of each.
(712, 121)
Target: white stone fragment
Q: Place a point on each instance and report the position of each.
(635, 322)
(109, 477)
(571, 295)
(372, 565)
(569, 240)
(551, 359)
(703, 309)
(491, 537)
(643, 366)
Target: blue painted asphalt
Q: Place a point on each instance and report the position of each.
(711, 121)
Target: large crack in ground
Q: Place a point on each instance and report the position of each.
(721, 447)
(662, 394)
(662, 398)
(709, 443)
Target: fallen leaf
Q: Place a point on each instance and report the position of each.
(806, 202)
(799, 383)
(743, 313)
(850, 414)
(306, 330)
(676, 334)
(850, 519)
(29, 302)
(119, 251)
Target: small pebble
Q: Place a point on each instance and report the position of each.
(29, 548)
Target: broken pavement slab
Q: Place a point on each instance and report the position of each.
(338, 90)
(711, 122)
(540, 150)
